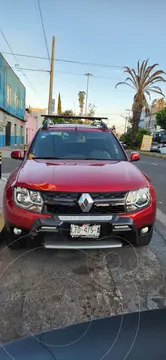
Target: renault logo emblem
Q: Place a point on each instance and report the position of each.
(85, 202)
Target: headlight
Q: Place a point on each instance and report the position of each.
(138, 199)
(28, 199)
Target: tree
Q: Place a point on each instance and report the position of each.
(142, 81)
(68, 113)
(91, 109)
(113, 129)
(81, 99)
(127, 138)
(59, 110)
(72, 121)
(161, 118)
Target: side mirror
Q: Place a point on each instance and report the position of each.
(16, 154)
(134, 156)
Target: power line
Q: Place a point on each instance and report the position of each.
(44, 33)
(87, 63)
(14, 55)
(59, 72)
(67, 61)
(27, 69)
(79, 74)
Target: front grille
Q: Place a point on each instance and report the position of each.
(67, 203)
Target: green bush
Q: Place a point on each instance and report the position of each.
(127, 138)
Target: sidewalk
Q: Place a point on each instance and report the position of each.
(2, 186)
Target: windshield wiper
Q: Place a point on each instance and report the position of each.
(44, 158)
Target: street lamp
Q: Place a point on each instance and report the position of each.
(87, 89)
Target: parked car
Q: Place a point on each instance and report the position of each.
(124, 145)
(154, 147)
(162, 149)
(78, 191)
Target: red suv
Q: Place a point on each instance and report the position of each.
(77, 188)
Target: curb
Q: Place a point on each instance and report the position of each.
(1, 223)
(148, 153)
(3, 179)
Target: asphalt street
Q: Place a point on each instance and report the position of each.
(44, 289)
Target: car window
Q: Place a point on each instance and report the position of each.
(76, 145)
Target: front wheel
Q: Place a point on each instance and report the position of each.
(144, 240)
(12, 241)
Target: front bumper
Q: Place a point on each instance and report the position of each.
(54, 233)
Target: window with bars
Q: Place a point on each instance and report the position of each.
(9, 95)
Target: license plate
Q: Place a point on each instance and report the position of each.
(85, 231)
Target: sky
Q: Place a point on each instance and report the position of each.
(105, 32)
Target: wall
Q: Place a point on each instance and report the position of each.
(30, 127)
(8, 77)
(16, 137)
(11, 115)
(37, 112)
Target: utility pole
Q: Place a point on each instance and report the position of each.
(51, 77)
(87, 90)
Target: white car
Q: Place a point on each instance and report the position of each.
(154, 147)
(162, 149)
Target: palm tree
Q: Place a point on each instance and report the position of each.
(81, 99)
(142, 81)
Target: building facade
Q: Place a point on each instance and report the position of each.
(12, 106)
(37, 113)
(30, 127)
(148, 120)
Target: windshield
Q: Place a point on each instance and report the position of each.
(76, 145)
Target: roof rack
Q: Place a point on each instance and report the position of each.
(101, 124)
(96, 121)
(46, 124)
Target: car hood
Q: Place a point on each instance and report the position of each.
(134, 336)
(80, 175)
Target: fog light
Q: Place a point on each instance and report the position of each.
(144, 230)
(17, 231)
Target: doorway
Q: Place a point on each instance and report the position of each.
(15, 134)
(21, 135)
(8, 133)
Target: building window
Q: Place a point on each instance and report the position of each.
(22, 103)
(9, 95)
(16, 101)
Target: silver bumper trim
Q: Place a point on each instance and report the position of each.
(95, 244)
(85, 218)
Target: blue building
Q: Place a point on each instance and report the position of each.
(12, 106)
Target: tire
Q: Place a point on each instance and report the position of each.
(12, 241)
(145, 239)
